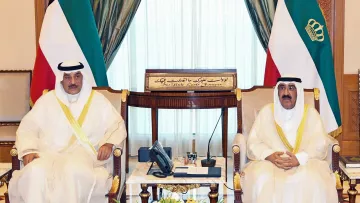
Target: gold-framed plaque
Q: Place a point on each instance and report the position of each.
(190, 80)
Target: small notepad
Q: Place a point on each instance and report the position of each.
(197, 172)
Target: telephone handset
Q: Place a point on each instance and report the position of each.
(164, 162)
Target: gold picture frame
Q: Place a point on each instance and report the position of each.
(190, 79)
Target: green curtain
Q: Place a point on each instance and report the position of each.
(113, 18)
(262, 15)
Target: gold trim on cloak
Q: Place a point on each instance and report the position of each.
(299, 134)
(76, 125)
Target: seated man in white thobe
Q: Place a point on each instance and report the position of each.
(65, 143)
(287, 146)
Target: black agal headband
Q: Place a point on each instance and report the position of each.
(289, 79)
(70, 68)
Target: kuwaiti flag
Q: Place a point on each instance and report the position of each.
(299, 45)
(68, 33)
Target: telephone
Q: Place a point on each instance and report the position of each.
(164, 162)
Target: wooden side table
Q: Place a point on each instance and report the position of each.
(186, 100)
(353, 176)
(139, 177)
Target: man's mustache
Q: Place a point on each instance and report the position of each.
(286, 97)
(72, 86)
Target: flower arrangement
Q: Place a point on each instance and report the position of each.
(175, 198)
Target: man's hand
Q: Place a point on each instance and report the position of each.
(283, 161)
(29, 158)
(104, 152)
(274, 157)
(293, 159)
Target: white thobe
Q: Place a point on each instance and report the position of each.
(311, 182)
(65, 174)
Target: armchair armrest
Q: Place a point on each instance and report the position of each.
(237, 188)
(116, 183)
(117, 160)
(333, 153)
(15, 165)
(239, 151)
(333, 159)
(14, 159)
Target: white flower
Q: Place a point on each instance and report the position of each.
(176, 197)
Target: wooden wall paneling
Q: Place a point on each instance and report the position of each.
(350, 148)
(334, 12)
(350, 138)
(338, 52)
(327, 7)
(40, 7)
(5, 148)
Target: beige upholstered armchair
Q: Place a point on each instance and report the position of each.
(249, 103)
(14, 104)
(117, 168)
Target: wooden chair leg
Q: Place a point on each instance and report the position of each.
(123, 196)
(237, 196)
(111, 198)
(340, 195)
(7, 200)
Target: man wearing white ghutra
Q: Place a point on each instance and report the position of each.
(287, 147)
(65, 142)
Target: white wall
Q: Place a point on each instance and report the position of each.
(17, 35)
(352, 37)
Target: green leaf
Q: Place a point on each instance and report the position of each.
(116, 201)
